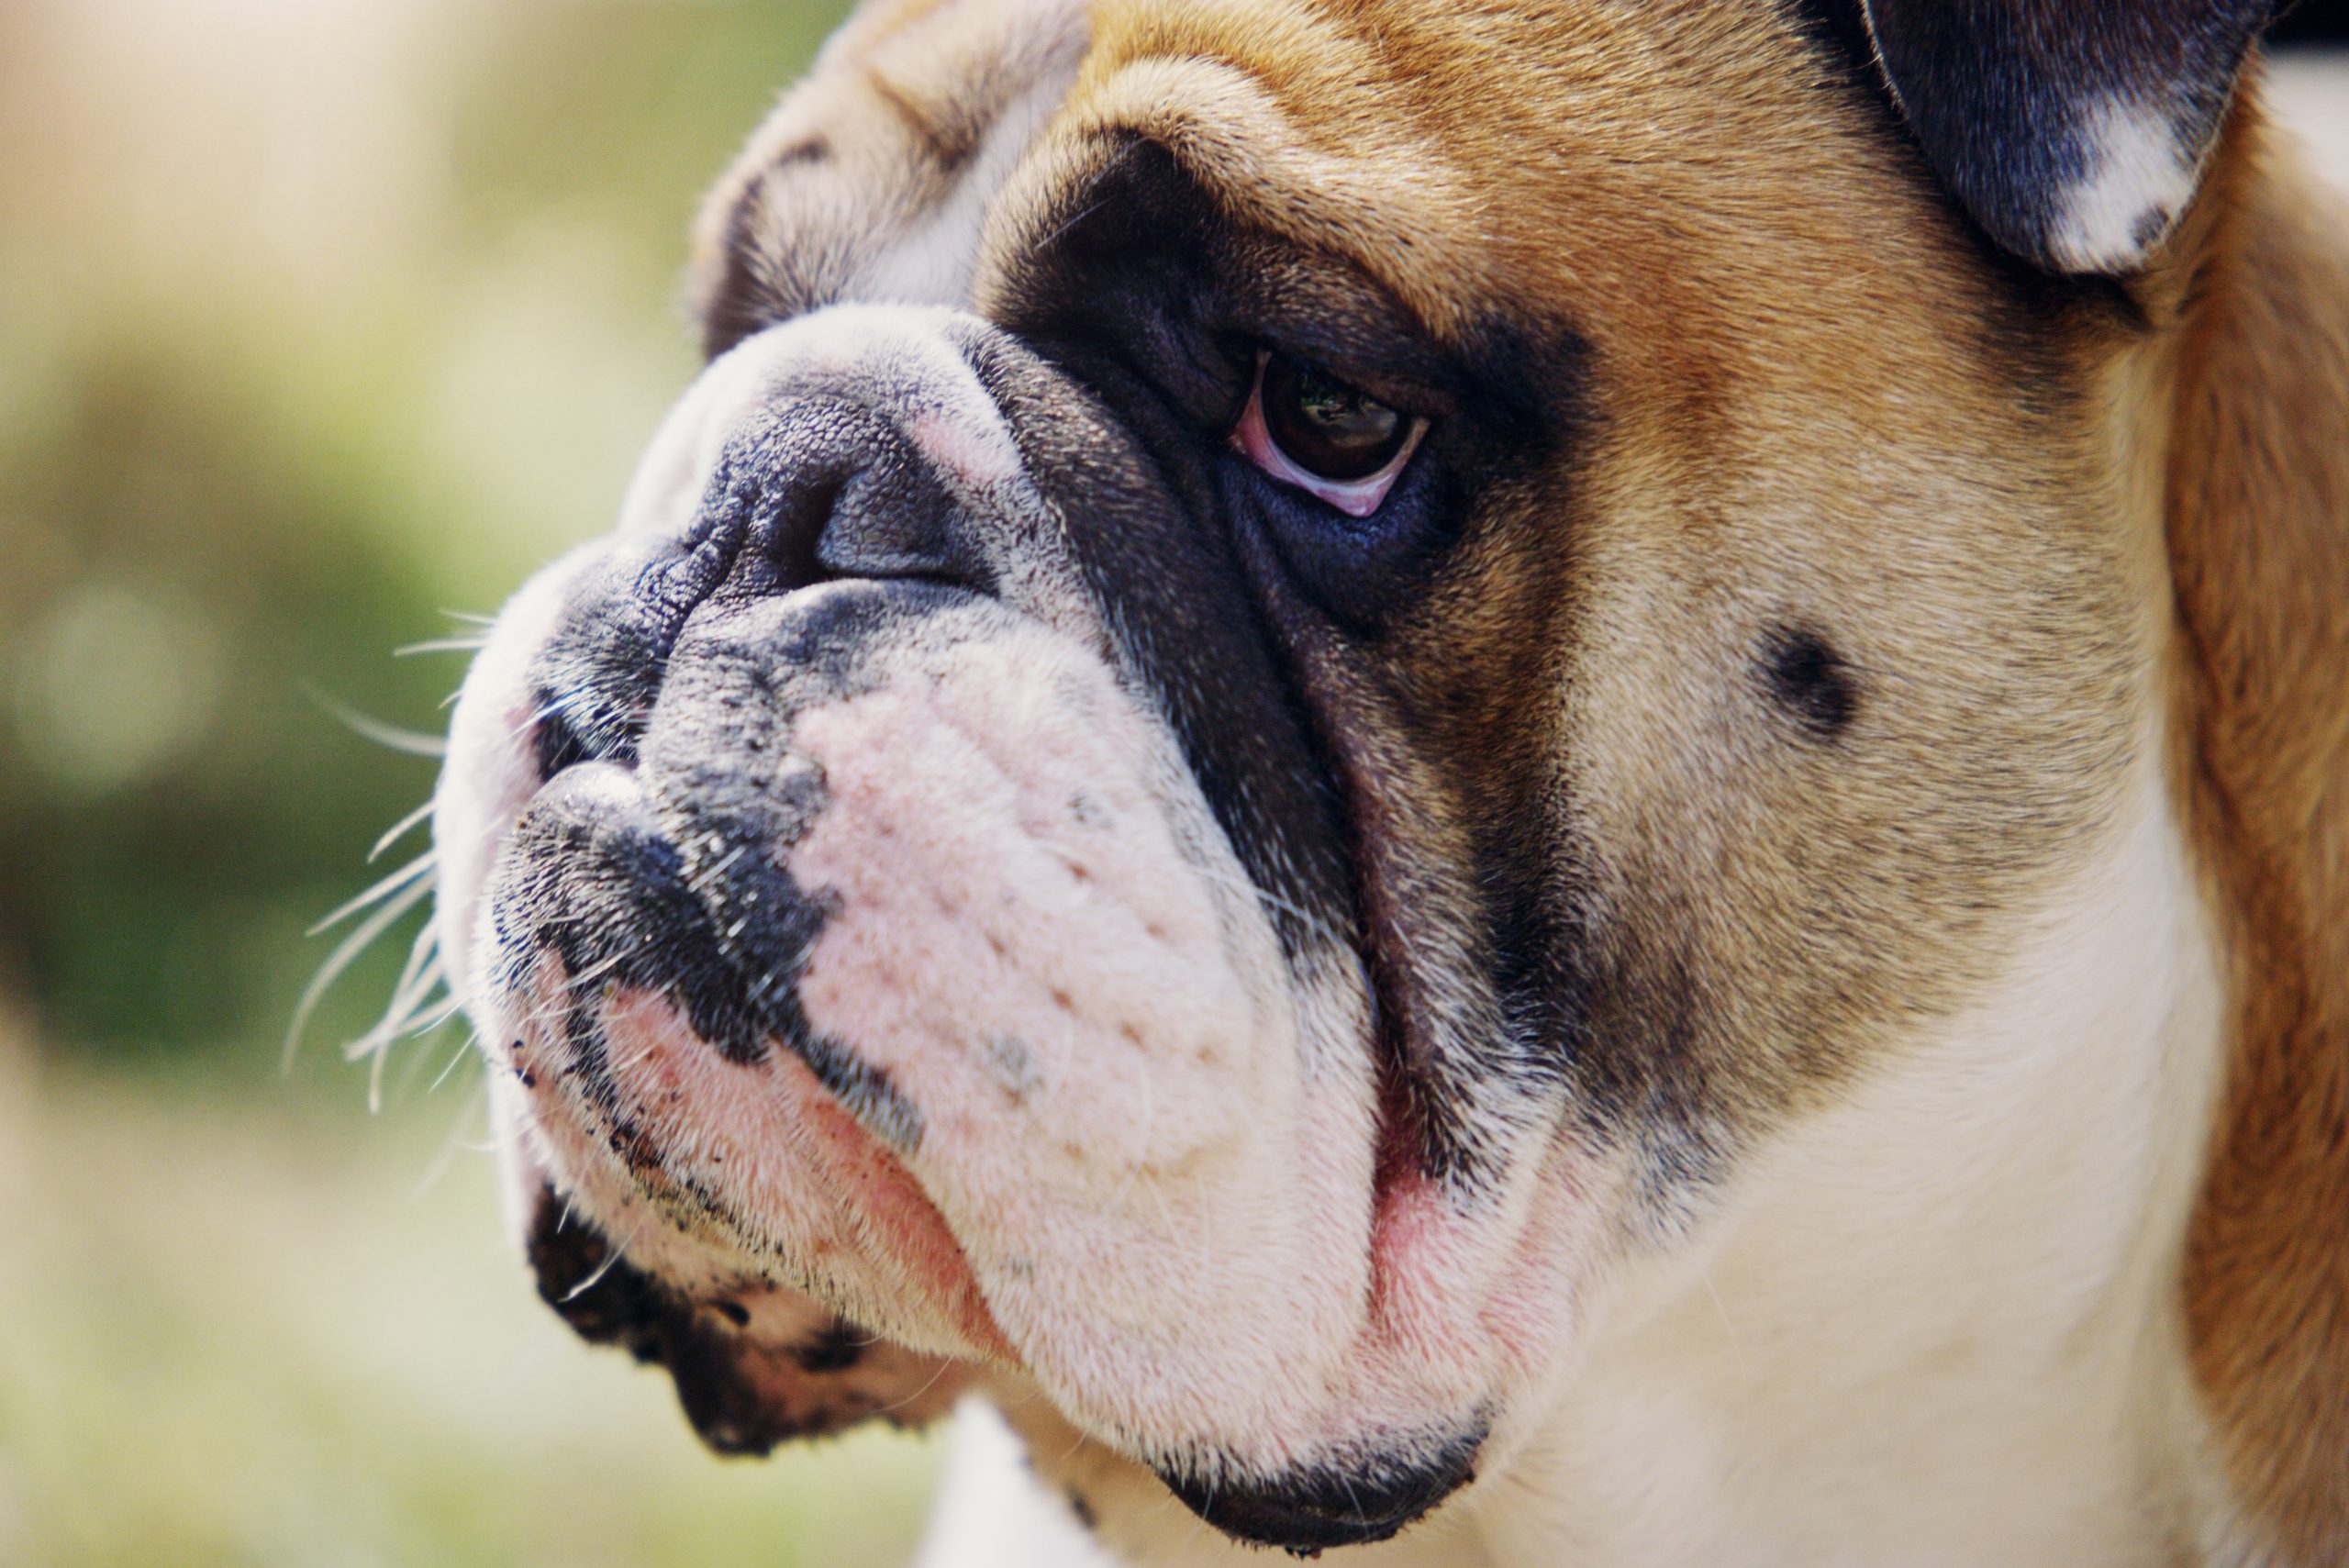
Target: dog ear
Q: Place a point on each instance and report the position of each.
(2074, 132)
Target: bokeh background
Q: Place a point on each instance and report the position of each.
(323, 323)
(319, 320)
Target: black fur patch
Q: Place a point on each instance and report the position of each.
(589, 876)
(1809, 679)
(1350, 1502)
(2309, 22)
(1842, 29)
(837, 1349)
(1185, 631)
(607, 1301)
(2002, 96)
(1145, 291)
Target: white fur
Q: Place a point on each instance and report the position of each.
(2140, 177)
(990, 1513)
(1937, 1324)
(1942, 1326)
(932, 260)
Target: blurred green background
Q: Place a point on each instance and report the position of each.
(320, 319)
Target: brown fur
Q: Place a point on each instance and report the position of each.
(867, 148)
(2259, 543)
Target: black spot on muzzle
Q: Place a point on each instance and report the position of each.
(1809, 679)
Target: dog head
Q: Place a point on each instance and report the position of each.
(1297, 671)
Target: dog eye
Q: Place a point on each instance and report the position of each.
(1306, 427)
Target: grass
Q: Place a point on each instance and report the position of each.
(250, 1327)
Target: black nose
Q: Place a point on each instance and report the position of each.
(807, 489)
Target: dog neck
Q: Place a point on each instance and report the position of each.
(1981, 1356)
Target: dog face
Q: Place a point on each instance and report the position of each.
(1297, 671)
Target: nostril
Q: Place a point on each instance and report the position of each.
(845, 493)
(556, 743)
(785, 553)
(594, 682)
(892, 518)
(830, 488)
(809, 489)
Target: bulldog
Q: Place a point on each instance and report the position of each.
(1554, 781)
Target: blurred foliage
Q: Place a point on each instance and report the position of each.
(237, 1336)
(320, 319)
(316, 322)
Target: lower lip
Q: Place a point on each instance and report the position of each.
(851, 1190)
(898, 1215)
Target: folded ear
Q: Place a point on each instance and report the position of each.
(2074, 132)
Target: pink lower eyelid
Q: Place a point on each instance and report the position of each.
(1356, 498)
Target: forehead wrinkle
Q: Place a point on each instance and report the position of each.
(1389, 202)
(1501, 156)
(1429, 153)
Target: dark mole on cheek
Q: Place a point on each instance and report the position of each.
(1805, 676)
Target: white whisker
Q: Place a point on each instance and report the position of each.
(418, 1007)
(463, 1052)
(375, 1082)
(1141, 1145)
(611, 1259)
(398, 831)
(429, 1013)
(597, 970)
(412, 742)
(344, 955)
(420, 866)
(455, 1144)
(419, 976)
(1320, 927)
(926, 1387)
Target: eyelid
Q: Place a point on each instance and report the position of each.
(1355, 497)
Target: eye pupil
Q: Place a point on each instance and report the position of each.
(1325, 427)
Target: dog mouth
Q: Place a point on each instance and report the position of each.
(868, 946)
